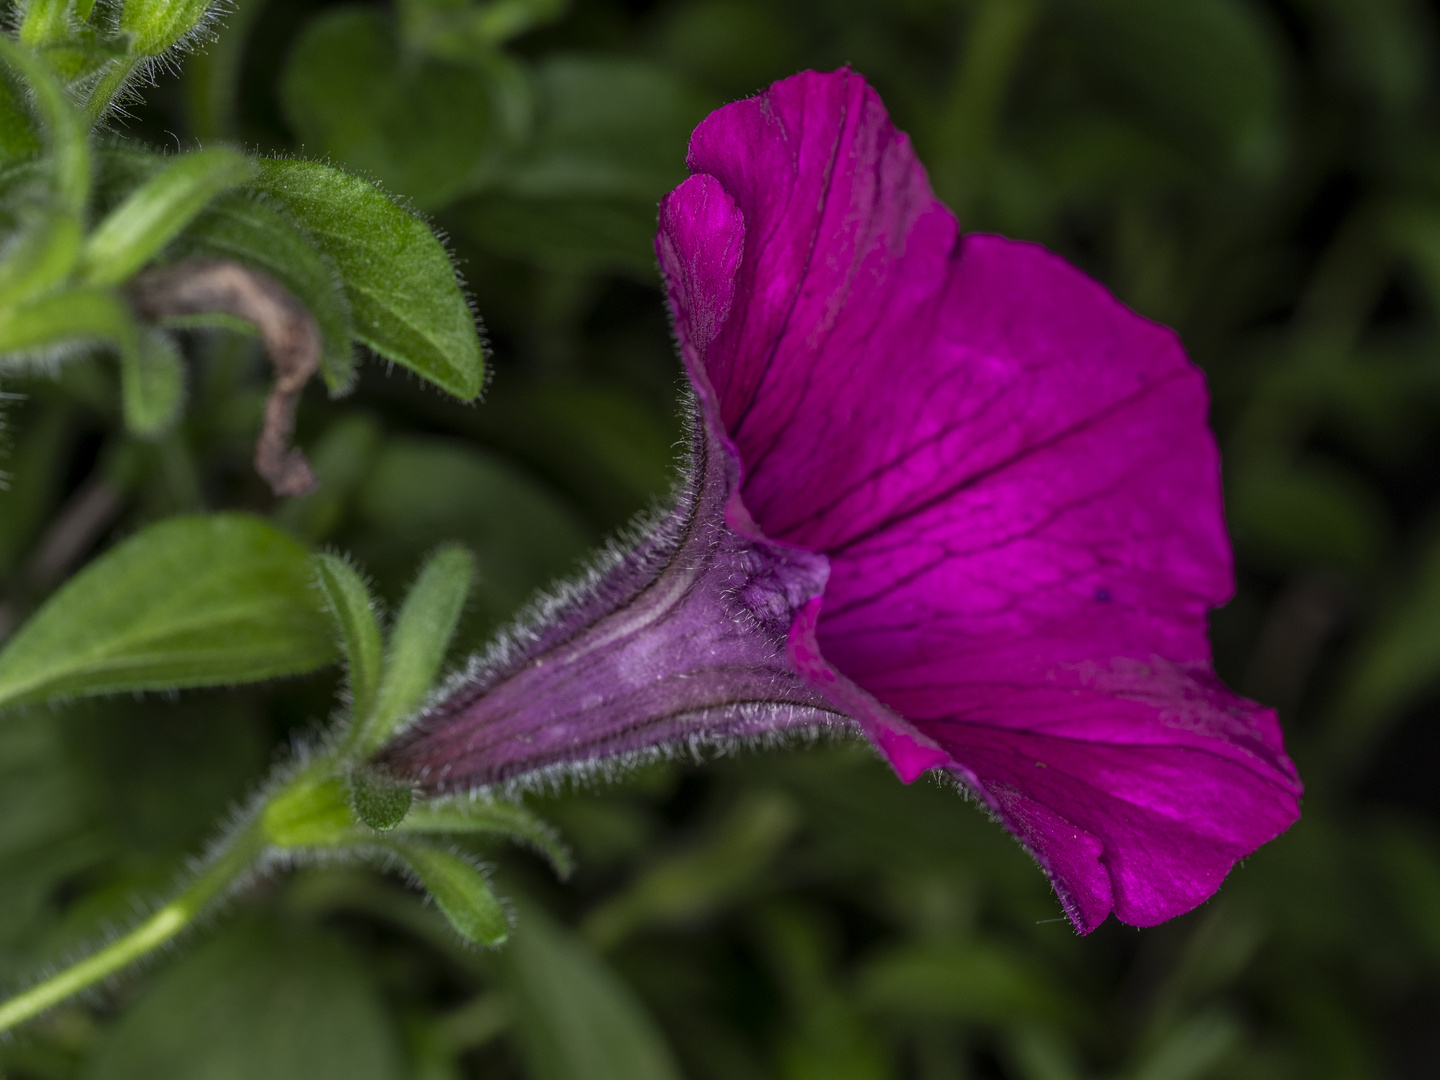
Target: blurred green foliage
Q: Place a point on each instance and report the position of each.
(1264, 175)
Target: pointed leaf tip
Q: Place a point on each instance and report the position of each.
(406, 302)
(353, 608)
(460, 891)
(419, 640)
(190, 601)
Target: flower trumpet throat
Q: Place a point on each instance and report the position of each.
(947, 490)
(681, 639)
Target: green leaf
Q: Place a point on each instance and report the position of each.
(693, 884)
(610, 142)
(484, 815)
(460, 891)
(43, 251)
(1201, 72)
(405, 300)
(156, 25)
(1314, 511)
(72, 317)
(1194, 1049)
(263, 999)
(212, 75)
(342, 459)
(1395, 662)
(45, 21)
(254, 231)
(464, 30)
(163, 772)
(380, 803)
(36, 461)
(1383, 47)
(575, 1018)
(974, 981)
(353, 609)
(152, 384)
(191, 601)
(67, 141)
(418, 641)
(605, 449)
(158, 210)
(424, 128)
(19, 138)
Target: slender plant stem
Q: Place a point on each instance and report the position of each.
(159, 928)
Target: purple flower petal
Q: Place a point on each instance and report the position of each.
(1012, 477)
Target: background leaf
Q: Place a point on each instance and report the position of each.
(575, 1018)
(259, 1000)
(424, 127)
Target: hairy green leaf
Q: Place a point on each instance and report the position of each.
(45, 21)
(67, 134)
(460, 891)
(191, 601)
(256, 232)
(418, 641)
(406, 303)
(44, 250)
(482, 815)
(156, 25)
(158, 210)
(353, 609)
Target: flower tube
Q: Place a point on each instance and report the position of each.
(946, 490)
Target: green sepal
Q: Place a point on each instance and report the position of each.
(378, 801)
(152, 384)
(155, 212)
(418, 642)
(353, 608)
(157, 25)
(481, 815)
(405, 302)
(460, 891)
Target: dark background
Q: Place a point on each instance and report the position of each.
(1263, 176)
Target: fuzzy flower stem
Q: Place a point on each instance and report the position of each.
(155, 931)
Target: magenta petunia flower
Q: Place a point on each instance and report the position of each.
(947, 490)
